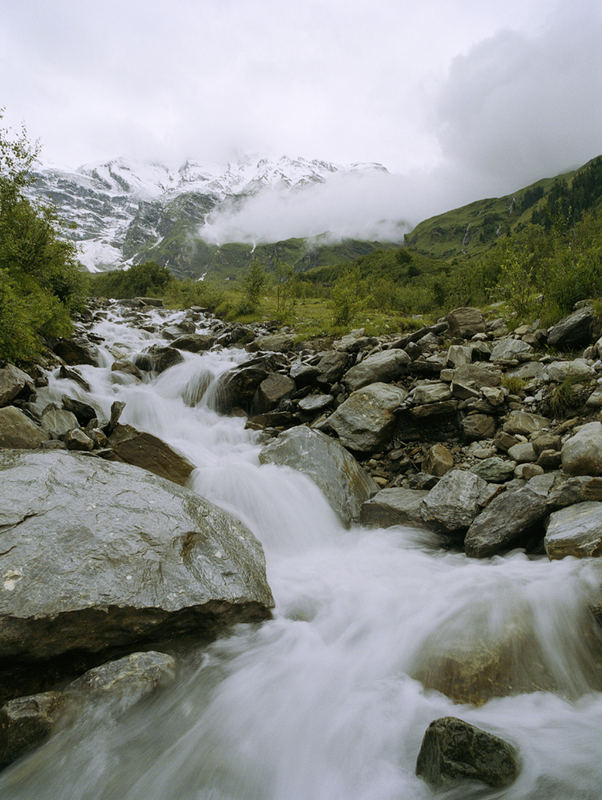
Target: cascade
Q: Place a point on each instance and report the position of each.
(323, 702)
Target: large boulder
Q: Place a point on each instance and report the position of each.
(366, 419)
(525, 423)
(272, 389)
(342, 480)
(237, 387)
(276, 343)
(573, 331)
(394, 506)
(508, 520)
(575, 531)
(509, 351)
(465, 322)
(14, 383)
(194, 342)
(582, 453)
(76, 350)
(332, 366)
(17, 430)
(455, 750)
(147, 451)
(384, 366)
(455, 501)
(102, 555)
(158, 358)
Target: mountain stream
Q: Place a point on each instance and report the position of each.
(322, 702)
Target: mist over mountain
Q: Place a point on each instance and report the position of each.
(123, 211)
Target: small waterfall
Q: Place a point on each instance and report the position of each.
(331, 698)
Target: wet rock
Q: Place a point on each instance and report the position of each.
(582, 453)
(465, 322)
(455, 750)
(575, 531)
(17, 430)
(438, 460)
(101, 555)
(343, 481)
(147, 451)
(478, 426)
(366, 419)
(73, 375)
(508, 519)
(194, 342)
(76, 351)
(394, 506)
(57, 421)
(14, 384)
(237, 388)
(494, 470)
(455, 501)
(272, 390)
(385, 366)
(158, 358)
(26, 722)
(573, 331)
(126, 366)
(84, 412)
(332, 366)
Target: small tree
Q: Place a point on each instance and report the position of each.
(253, 285)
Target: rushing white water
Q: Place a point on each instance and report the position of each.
(320, 703)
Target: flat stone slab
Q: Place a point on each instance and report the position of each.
(575, 531)
(394, 506)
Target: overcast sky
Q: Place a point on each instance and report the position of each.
(467, 97)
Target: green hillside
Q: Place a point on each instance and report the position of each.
(474, 228)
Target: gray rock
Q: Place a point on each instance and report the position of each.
(102, 554)
(57, 421)
(559, 371)
(194, 342)
(494, 470)
(17, 430)
(27, 721)
(435, 392)
(342, 480)
(275, 343)
(582, 453)
(126, 366)
(458, 355)
(495, 397)
(527, 371)
(575, 490)
(478, 375)
(237, 387)
(574, 330)
(525, 423)
(478, 426)
(314, 403)
(14, 383)
(272, 389)
(522, 452)
(147, 451)
(384, 366)
(303, 374)
(366, 419)
(510, 351)
(595, 398)
(465, 322)
(455, 501)
(575, 531)
(438, 460)
(84, 412)
(508, 519)
(158, 358)
(332, 366)
(76, 351)
(454, 750)
(394, 506)
(77, 440)
(526, 471)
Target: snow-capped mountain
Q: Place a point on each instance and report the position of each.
(122, 211)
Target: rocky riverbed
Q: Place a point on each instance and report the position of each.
(121, 538)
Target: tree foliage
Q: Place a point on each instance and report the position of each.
(41, 282)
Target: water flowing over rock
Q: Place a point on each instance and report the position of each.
(125, 557)
(344, 483)
(365, 420)
(453, 749)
